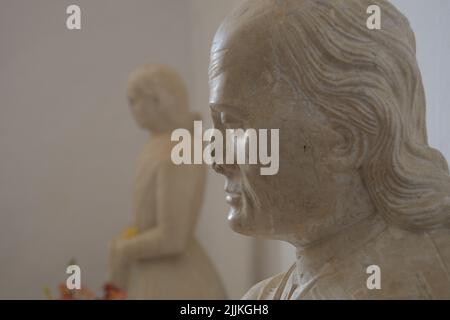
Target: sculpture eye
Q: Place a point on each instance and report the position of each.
(224, 119)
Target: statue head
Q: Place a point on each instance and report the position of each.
(350, 107)
(158, 99)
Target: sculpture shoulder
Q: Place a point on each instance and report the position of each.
(265, 290)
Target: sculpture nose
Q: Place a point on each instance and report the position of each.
(218, 168)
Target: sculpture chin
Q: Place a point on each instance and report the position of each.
(244, 220)
(238, 221)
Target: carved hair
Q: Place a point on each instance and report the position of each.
(167, 88)
(368, 80)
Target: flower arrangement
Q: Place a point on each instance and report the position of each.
(110, 292)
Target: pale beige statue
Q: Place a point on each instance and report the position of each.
(163, 259)
(358, 185)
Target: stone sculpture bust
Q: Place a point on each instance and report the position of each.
(358, 184)
(163, 260)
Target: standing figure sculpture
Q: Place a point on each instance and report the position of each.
(358, 184)
(163, 260)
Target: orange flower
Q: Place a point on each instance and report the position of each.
(65, 293)
(113, 293)
(129, 233)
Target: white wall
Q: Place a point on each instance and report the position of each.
(68, 143)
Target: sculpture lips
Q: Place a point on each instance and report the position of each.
(234, 199)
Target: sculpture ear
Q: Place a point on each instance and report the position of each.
(350, 148)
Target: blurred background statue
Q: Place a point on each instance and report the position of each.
(159, 257)
(360, 193)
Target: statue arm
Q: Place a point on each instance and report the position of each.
(173, 227)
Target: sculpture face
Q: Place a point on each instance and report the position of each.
(352, 123)
(298, 202)
(158, 99)
(143, 105)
